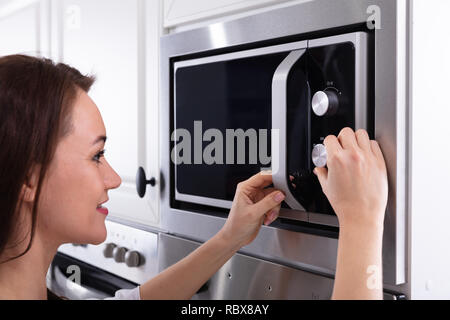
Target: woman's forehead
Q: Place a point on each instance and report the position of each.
(87, 121)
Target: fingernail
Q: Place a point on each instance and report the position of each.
(279, 197)
(271, 216)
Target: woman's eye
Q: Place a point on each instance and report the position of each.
(98, 156)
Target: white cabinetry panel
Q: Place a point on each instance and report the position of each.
(24, 28)
(107, 38)
(178, 12)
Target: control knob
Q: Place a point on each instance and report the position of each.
(119, 254)
(319, 156)
(325, 103)
(108, 250)
(133, 259)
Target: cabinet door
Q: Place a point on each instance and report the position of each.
(177, 12)
(110, 39)
(24, 27)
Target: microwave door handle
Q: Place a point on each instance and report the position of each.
(279, 135)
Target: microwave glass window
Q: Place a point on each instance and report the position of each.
(223, 95)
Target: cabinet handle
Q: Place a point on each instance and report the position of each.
(142, 182)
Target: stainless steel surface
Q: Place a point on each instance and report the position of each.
(279, 125)
(322, 105)
(276, 245)
(127, 240)
(293, 248)
(203, 200)
(319, 156)
(244, 277)
(242, 54)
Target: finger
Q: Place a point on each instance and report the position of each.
(259, 180)
(269, 202)
(291, 178)
(375, 147)
(362, 137)
(264, 192)
(272, 215)
(347, 139)
(332, 145)
(322, 175)
(268, 191)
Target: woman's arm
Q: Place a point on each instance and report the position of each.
(359, 264)
(183, 279)
(356, 185)
(252, 206)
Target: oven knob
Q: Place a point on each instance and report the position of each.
(133, 259)
(108, 250)
(319, 156)
(325, 103)
(119, 254)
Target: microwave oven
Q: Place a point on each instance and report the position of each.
(238, 113)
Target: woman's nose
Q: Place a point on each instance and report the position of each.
(112, 179)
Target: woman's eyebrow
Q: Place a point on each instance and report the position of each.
(100, 139)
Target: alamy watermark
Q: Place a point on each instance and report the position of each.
(229, 147)
(374, 19)
(374, 280)
(75, 274)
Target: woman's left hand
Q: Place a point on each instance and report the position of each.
(252, 206)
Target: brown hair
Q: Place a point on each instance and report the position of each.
(36, 99)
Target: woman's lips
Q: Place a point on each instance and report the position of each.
(103, 210)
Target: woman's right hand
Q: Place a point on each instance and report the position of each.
(253, 205)
(355, 182)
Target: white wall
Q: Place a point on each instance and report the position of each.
(430, 190)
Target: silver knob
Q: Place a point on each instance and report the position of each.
(319, 156)
(133, 259)
(119, 254)
(108, 250)
(325, 103)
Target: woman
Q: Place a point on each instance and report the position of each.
(54, 177)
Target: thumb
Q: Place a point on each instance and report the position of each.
(269, 202)
(322, 175)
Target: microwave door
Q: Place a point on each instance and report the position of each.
(223, 119)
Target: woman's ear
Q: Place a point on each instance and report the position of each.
(28, 192)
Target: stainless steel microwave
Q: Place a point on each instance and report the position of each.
(267, 108)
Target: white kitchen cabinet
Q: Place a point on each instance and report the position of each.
(24, 28)
(117, 41)
(429, 216)
(179, 12)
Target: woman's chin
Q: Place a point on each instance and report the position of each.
(100, 236)
(95, 237)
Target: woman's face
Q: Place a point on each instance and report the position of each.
(78, 181)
